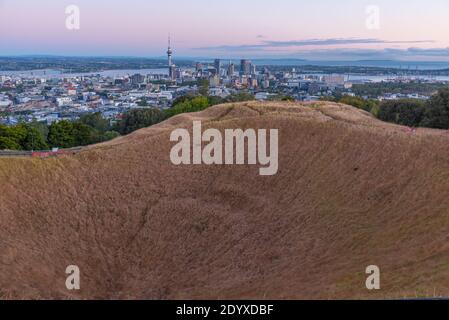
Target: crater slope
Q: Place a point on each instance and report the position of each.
(350, 192)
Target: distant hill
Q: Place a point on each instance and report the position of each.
(351, 192)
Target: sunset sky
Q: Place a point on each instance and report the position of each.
(318, 29)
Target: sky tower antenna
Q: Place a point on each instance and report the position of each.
(169, 52)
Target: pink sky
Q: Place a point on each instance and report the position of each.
(227, 28)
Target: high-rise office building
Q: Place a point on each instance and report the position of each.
(245, 67)
(214, 81)
(231, 69)
(199, 67)
(253, 69)
(217, 66)
(137, 79)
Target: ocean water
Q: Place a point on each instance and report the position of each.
(51, 73)
(413, 65)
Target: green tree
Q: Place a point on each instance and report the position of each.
(203, 87)
(240, 97)
(193, 105)
(96, 121)
(8, 144)
(109, 135)
(437, 110)
(407, 112)
(181, 99)
(374, 90)
(84, 135)
(34, 139)
(213, 101)
(360, 103)
(41, 127)
(140, 118)
(16, 134)
(61, 135)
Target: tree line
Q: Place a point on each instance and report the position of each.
(89, 129)
(433, 113)
(93, 128)
(374, 90)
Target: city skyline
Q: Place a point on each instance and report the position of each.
(322, 30)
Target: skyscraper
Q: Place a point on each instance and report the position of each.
(253, 69)
(199, 67)
(245, 67)
(217, 65)
(231, 69)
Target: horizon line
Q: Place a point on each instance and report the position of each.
(193, 58)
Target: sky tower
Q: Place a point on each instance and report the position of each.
(169, 53)
(171, 66)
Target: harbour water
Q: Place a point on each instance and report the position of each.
(52, 73)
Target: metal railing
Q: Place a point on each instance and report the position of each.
(7, 153)
(41, 153)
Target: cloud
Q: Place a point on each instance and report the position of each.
(334, 49)
(267, 44)
(375, 54)
(429, 52)
(328, 42)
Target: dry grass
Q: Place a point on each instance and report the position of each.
(350, 192)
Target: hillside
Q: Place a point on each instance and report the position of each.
(350, 192)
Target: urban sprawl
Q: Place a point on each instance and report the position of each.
(42, 97)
